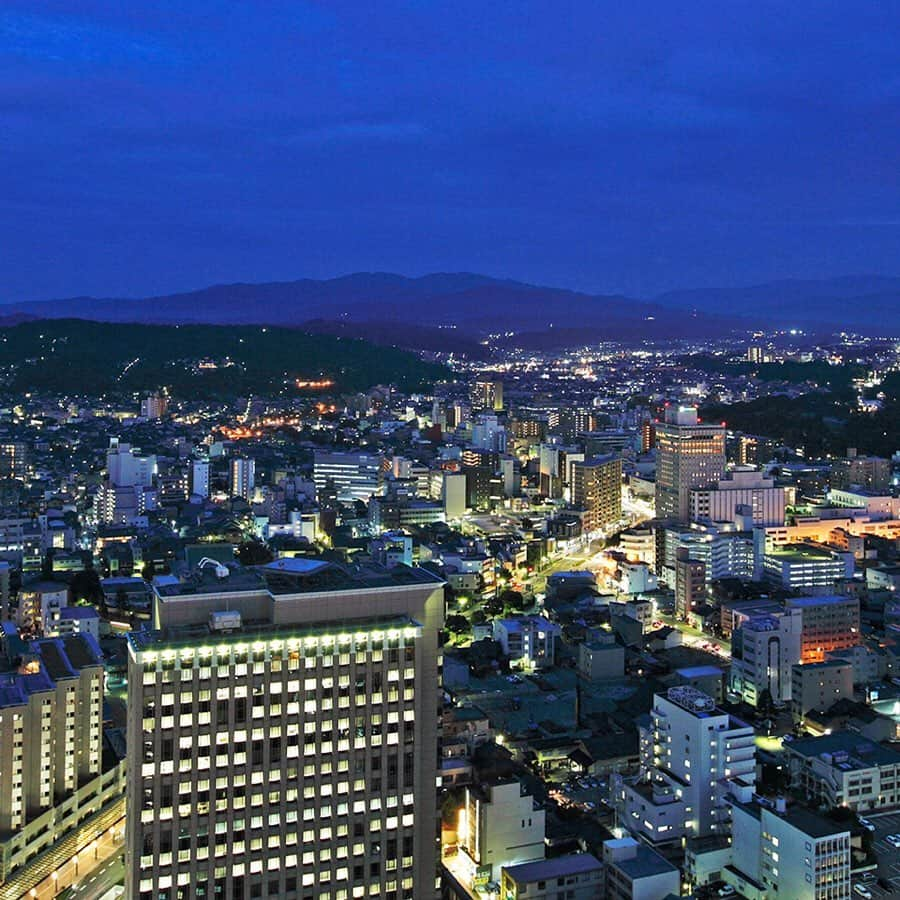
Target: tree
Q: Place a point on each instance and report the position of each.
(513, 600)
(493, 606)
(479, 617)
(253, 553)
(457, 624)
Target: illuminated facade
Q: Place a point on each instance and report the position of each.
(689, 454)
(283, 736)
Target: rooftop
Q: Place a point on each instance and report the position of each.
(559, 867)
(849, 751)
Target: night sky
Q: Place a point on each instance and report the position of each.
(151, 146)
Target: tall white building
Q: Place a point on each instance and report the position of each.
(689, 454)
(689, 751)
(283, 735)
(200, 477)
(763, 651)
(743, 493)
(355, 476)
(125, 468)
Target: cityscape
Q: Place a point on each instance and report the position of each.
(449, 451)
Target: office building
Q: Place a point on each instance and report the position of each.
(282, 734)
(744, 494)
(786, 852)
(806, 567)
(688, 751)
(354, 476)
(829, 623)
(242, 477)
(845, 769)
(597, 490)
(764, 650)
(689, 454)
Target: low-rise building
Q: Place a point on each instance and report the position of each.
(845, 769)
(786, 853)
(528, 641)
(818, 686)
(634, 871)
(576, 877)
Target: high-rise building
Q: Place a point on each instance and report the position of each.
(283, 734)
(743, 493)
(648, 436)
(555, 472)
(689, 454)
(355, 476)
(689, 753)
(200, 477)
(242, 477)
(763, 651)
(487, 395)
(597, 489)
(59, 793)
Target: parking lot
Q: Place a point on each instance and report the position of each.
(888, 856)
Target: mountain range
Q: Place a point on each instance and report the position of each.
(456, 310)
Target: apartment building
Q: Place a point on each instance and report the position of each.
(829, 623)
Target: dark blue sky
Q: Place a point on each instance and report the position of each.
(159, 145)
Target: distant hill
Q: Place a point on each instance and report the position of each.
(472, 305)
(868, 303)
(196, 361)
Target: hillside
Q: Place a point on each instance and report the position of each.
(869, 304)
(471, 305)
(81, 357)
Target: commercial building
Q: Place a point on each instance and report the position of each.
(555, 463)
(597, 489)
(354, 476)
(689, 454)
(744, 492)
(786, 853)
(845, 769)
(829, 623)
(285, 719)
